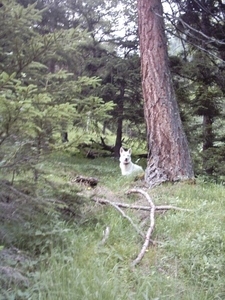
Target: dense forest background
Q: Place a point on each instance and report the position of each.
(70, 77)
(70, 96)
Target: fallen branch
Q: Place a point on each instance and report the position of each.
(120, 204)
(152, 208)
(150, 229)
(168, 207)
(129, 219)
(125, 216)
(139, 207)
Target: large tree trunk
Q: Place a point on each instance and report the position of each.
(118, 142)
(168, 153)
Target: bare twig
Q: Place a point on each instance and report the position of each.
(150, 229)
(139, 207)
(125, 216)
(105, 235)
(151, 208)
(120, 204)
(168, 207)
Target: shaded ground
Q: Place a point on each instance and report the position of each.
(12, 268)
(17, 207)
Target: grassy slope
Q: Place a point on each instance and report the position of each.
(188, 261)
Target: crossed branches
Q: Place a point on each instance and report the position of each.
(152, 208)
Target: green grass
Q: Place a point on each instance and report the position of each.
(187, 263)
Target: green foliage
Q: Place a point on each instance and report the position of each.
(199, 80)
(38, 102)
(214, 158)
(61, 55)
(46, 88)
(207, 101)
(201, 96)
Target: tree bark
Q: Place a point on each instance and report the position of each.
(168, 153)
(119, 131)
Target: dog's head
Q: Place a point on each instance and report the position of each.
(125, 156)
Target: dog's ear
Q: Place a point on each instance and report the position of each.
(121, 150)
(130, 151)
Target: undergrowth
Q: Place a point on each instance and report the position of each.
(50, 243)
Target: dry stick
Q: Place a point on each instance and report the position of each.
(168, 207)
(105, 235)
(124, 215)
(151, 227)
(139, 207)
(152, 210)
(124, 205)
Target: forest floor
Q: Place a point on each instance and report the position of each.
(64, 238)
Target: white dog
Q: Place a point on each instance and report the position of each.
(126, 165)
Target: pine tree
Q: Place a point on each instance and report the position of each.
(35, 103)
(168, 154)
(200, 26)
